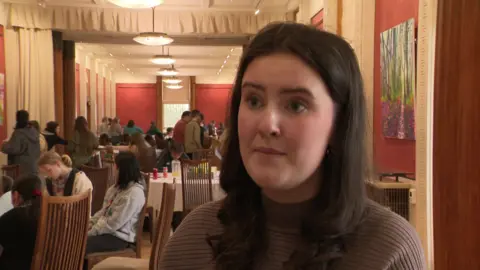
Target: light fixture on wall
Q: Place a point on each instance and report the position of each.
(257, 9)
(153, 38)
(136, 3)
(168, 72)
(163, 59)
(172, 80)
(174, 86)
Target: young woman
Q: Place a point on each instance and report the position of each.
(18, 227)
(114, 227)
(84, 143)
(51, 135)
(131, 128)
(294, 169)
(62, 179)
(23, 147)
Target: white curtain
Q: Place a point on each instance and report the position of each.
(29, 74)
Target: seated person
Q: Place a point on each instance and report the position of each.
(150, 140)
(62, 180)
(18, 227)
(6, 183)
(169, 134)
(146, 154)
(161, 142)
(174, 151)
(114, 227)
(104, 140)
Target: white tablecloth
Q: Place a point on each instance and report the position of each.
(155, 193)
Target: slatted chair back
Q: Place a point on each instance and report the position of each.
(196, 183)
(62, 233)
(99, 178)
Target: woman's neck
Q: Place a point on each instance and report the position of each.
(303, 192)
(65, 172)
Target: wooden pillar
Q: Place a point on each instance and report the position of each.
(193, 89)
(58, 78)
(159, 87)
(69, 96)
(456, 141)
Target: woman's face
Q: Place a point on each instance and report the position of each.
(284, 124)
(57, 130)
(51, 171)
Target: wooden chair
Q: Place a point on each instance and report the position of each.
(163, 217)
(133, 252)
(196, 184)
(99, 178)
(62, 233)
(202, 154)
(112, 171)
(11, 170)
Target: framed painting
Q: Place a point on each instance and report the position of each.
(397, 75)
(317, 20)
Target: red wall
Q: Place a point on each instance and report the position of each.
(212, 100)
(390, 154)
(137, 102)
(3, 126)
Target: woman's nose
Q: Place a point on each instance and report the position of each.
(269, 125)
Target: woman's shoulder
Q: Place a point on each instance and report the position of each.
(393, 234)
(189, 246)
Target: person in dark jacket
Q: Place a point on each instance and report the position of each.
(23, 147)
(51, 135)
(18, 227)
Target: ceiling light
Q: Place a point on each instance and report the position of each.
(153, 39)
(168, 72)
(257, 11)
(172, 80)
(136, 3)
(174, 86)
(163, 59)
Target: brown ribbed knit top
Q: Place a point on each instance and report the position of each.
(383, 241)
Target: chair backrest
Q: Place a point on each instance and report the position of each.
(99, 178)
(62, 232)
(112, 171)
(11, 170)
(202, 154)
(96, 160)
(196, 183)
(162, 226)
(141, 220)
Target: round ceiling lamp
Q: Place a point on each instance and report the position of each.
(174, 86)
(172, 80)
(136, 3)
(153, 39)
(162, 60)
(168, 72)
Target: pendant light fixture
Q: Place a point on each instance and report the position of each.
(174, 86)
(168, 72)
(172, 80)
(153, 38)
(163, 59)
(136, 3)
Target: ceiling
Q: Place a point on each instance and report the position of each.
(232, 5)
(195, 55)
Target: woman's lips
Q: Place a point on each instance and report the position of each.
(269, 151)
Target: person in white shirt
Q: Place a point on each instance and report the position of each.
(6, 184)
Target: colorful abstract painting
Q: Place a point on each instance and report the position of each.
(397, 69)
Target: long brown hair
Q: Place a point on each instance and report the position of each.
(340, 202)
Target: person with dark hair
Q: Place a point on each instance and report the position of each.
(104, 140)
(193, 134)
(294, 169)
(169, 134)
(6, 183)
(150, 140)
(131, 128)
(18, 227)
(153, 129)
(23, 147)
(51, 135)
(145, 153)
(179, 129)
(114, 227)
(84, 143)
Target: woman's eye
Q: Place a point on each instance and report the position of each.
(254, 102)
(296, 107)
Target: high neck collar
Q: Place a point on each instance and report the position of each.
(286, 216)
